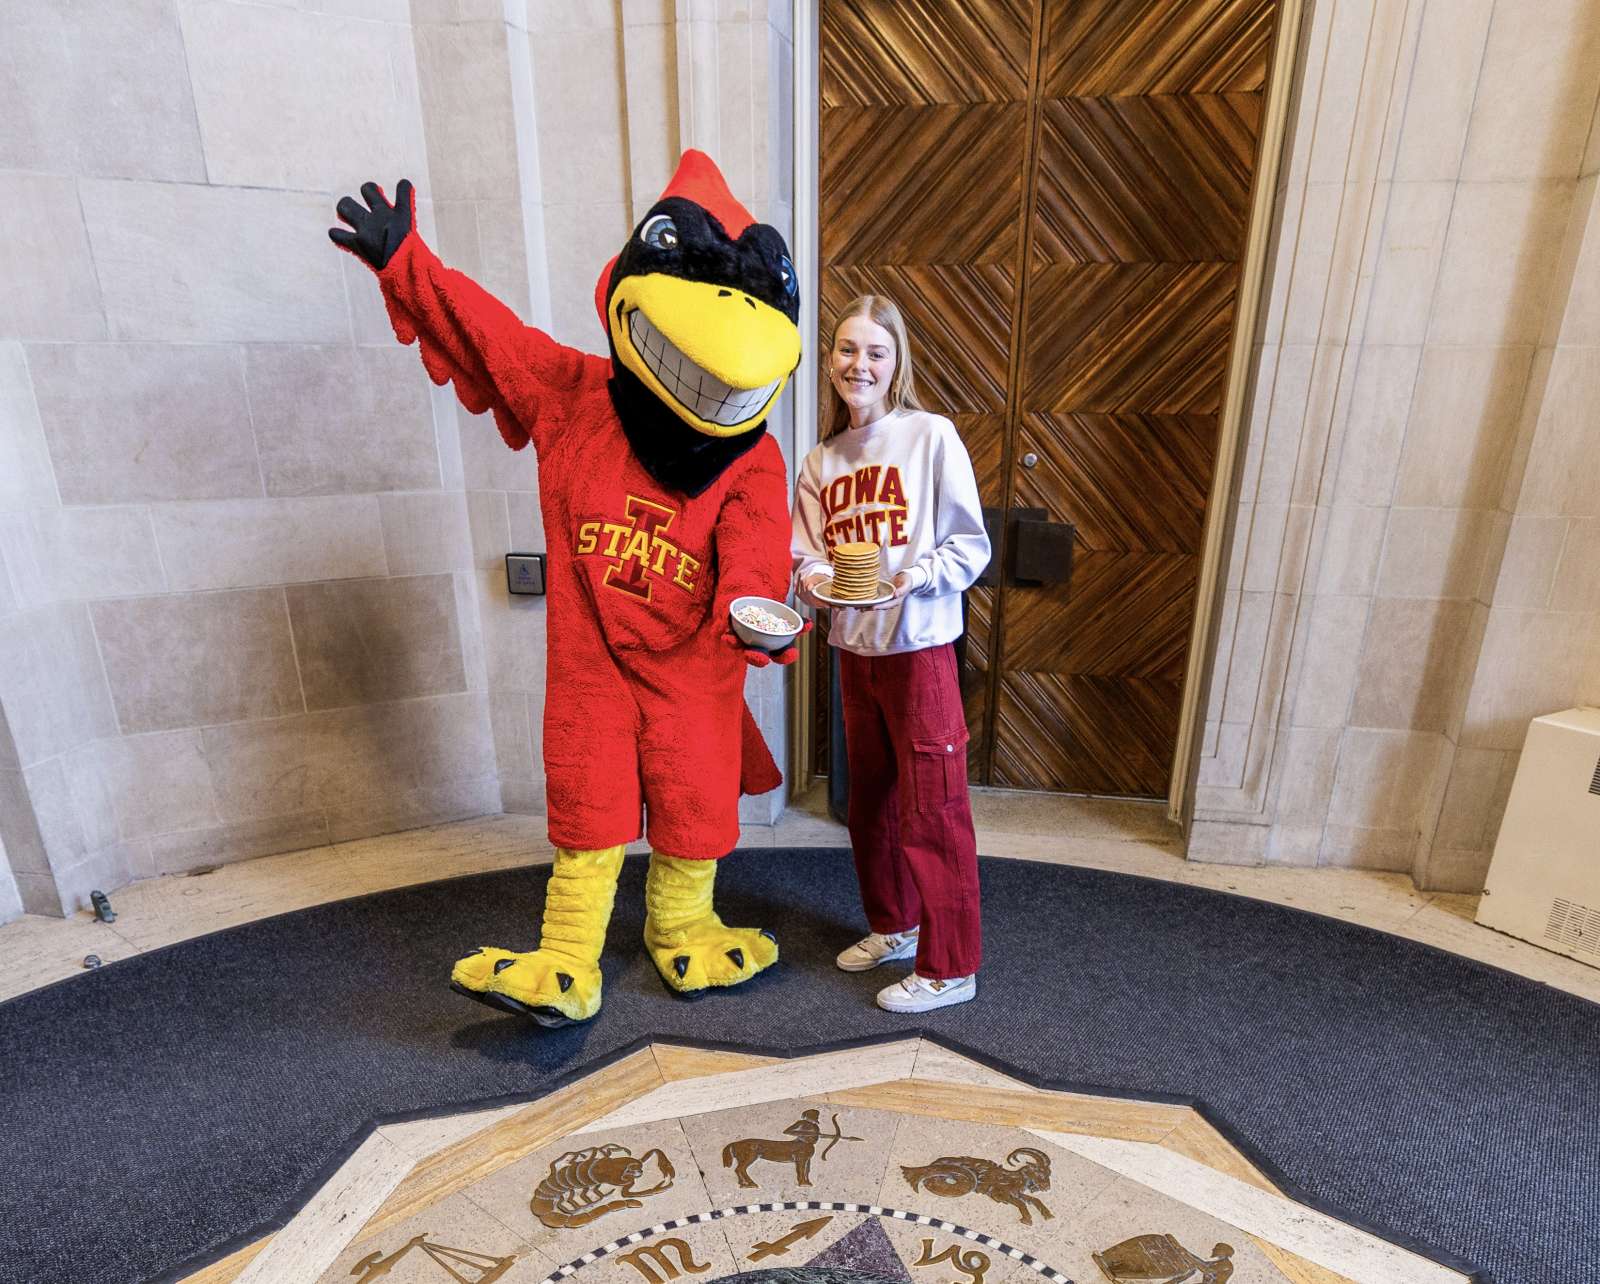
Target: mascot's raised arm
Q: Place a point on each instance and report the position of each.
(664, 499)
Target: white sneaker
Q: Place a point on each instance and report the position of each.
(918, 994)
(876, 948)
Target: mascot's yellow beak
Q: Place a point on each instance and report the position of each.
(717, 356)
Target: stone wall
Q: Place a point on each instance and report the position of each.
(253, 594)
(1411, 579)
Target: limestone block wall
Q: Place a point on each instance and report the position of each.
(19, 832)
(252, 594)
(10, 897)
(559, 126)
(1541, 598)
(473, 90)
(1409, 583)
(235, 544)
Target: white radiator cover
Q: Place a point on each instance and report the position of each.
(1544, 879)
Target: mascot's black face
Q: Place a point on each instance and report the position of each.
(703, 339)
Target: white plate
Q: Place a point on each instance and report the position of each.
(885, 594)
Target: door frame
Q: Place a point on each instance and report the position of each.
(805, 25)
(806, 113)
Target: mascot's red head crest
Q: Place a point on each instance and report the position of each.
(701, 308)
(699, 180)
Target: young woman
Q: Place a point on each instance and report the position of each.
(889, 472)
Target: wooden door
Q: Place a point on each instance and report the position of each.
(1056, 192)
(924, 131)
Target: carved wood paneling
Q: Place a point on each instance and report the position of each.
(1091, 677)
(1125, 47)
(1147, 140)
(924, 128)
(1129, 483)
(973, 654)
(1086, 734)
(894, 52)
(980, 617)
(983, 436)
(899, 181)
(1158, 179)
(1123, 171)
(821, 699)
(1149, 337)
(1123, 614)
(959, 321)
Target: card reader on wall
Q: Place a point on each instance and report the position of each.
(525, 573)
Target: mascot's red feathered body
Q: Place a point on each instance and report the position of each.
(663, 499)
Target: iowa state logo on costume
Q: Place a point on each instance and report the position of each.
(883, 524)
(642, 554)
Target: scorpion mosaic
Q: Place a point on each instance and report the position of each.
(583, 1185)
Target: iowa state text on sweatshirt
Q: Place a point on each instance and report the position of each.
(903, 482)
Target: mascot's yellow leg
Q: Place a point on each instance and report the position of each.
(688, 943)
(559, 982)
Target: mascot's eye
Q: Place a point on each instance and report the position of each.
(791, 283)
(660, 232)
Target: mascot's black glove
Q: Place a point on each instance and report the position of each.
(380, 229)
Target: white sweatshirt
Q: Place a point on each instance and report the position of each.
(905, 483)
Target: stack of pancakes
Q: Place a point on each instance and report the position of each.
(855, 572)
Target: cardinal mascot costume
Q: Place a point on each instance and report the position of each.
(664, 499)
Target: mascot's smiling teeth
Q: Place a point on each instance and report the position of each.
(700, 392)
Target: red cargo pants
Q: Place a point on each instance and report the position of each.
(910, 816)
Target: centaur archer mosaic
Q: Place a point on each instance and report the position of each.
(804, 1134)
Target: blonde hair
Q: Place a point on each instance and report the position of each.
(902, 387)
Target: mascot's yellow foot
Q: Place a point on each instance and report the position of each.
(551, 988)
(691, 947)
(711, 954)
(559, 982)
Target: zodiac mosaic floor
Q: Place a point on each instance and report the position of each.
(680, 1164)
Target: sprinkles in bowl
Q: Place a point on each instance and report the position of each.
(763, 621)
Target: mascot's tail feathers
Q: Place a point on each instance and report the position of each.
(758, 773)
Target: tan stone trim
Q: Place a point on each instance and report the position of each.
(693, 1063)
(230, 1267)
(1056, 1111)
(1252, 300)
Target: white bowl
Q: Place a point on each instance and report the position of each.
(756, 638)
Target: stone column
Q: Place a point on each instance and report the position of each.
(1377, 664)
